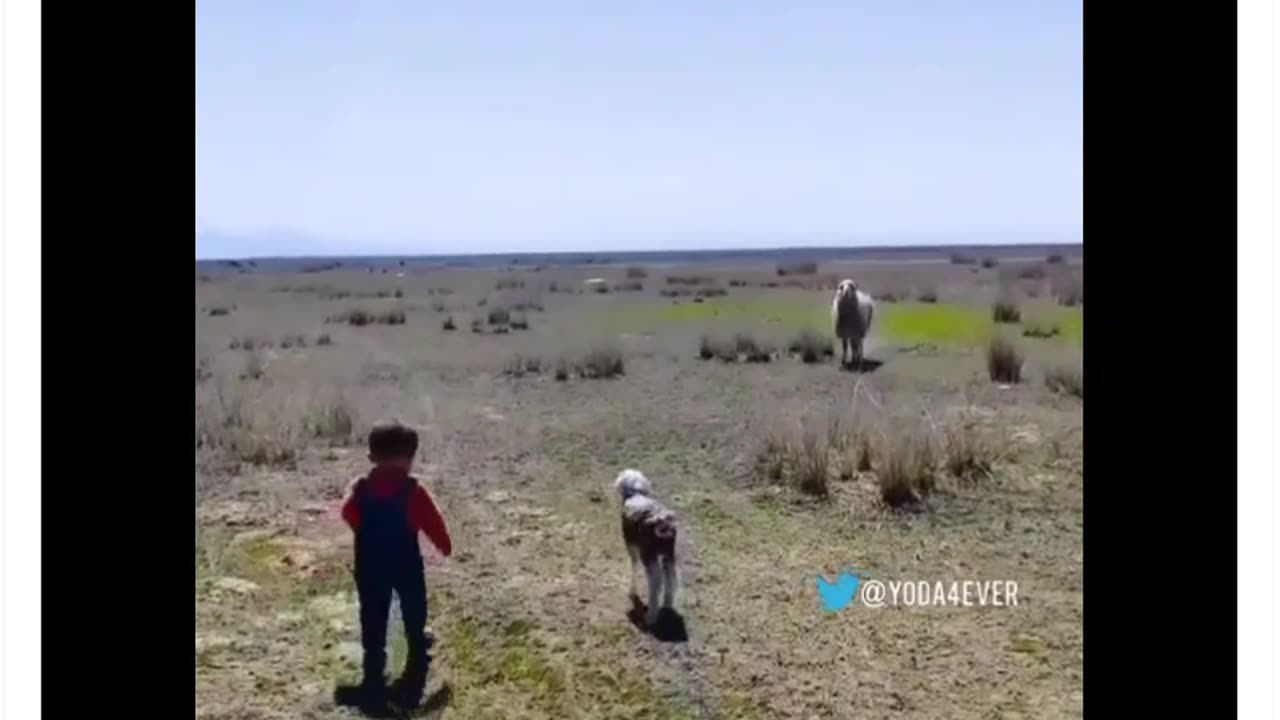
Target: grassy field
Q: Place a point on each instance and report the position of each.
(925, 468)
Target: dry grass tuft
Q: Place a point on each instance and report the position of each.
(601, 363)
(798, 268)
(1005, 310)
(811, 347)
(499, 316)
(1004, 360)
(449, 325)
(637, 273)
(906, 474)
(1040, 329)
(1066, 380)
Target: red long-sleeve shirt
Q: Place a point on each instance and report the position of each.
(423, 513)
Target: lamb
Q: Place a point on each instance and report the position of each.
(851, 311)
(649, 532)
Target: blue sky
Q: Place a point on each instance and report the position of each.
(369, 126)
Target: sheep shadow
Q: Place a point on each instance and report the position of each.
(669, 628)
(865, 365)
(433, 707)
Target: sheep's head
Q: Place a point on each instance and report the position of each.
(632, 482)
(845, 288)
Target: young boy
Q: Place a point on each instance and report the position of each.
(386, 509)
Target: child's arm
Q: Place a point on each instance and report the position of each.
(351, 508)
(429, 520)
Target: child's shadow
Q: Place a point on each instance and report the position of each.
(866, 365)
(670, 626)
(433, 707)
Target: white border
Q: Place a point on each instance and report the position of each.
(1256, 508)
(20, 342)
(1257, 311)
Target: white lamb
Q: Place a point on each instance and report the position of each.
(851, 311)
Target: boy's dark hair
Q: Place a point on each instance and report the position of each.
(392, 441)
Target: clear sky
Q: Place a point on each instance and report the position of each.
(371, 126)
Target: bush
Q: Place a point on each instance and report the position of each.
(631, 286)
(798, 268)
(289, 341)
(324, 339)
(333, 422)
(811, 346)
(675, 292)
(957, 259)
(1066, 380)
(519, 322)
(1071, 295)
(602, 363)
(638, 273)
(509, 284)
(391, 317)
(928, 296)
(1038, 329)
(989, 263)
(1056, 259)
(712, 292)
(477, 325)
(813, 470)
(562, 370)
(218, 311)
(1005, 310)
(1033, 272)
(521, 365)
(499, 316)
(906, 474)
(526, 305)
(690, 280)
(968, 456)
(449, 324)
(601, 288)
(1004, 360)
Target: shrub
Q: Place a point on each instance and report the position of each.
(712, 292)
(631, 286)
(690, 280)
(601, 362)
(1056, 259)
(562, 370)
(253, 367)
(477, 325)
(928, 296)
(449, 324)
(957, 259)
(521, 365)
(989, 262)
(675, 292)
(811, 346)
(289, 341)
(333, 421)
(1069, 381)
(968, 455)
(324, 339)
(391, 317)
(526, 305)
(813, 472)
(1004, 360)
(499, 316)
(1039, 329)
(636, 272)
(1071, 295)
(798, 268)
(218, 311)
(519, 322)
(906, 474)
(601, 288)
(509, 284)
(1005, 310)
(1033, 272)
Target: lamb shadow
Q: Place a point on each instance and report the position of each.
(866, 365)
(670, 626)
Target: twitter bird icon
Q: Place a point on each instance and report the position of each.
(837, 595)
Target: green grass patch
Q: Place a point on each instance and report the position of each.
(903, 323)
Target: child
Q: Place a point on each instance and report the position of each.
(386, 509)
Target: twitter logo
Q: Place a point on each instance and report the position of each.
(837, 595)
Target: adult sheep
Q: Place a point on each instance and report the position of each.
(851, 311)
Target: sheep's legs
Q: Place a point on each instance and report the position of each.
(654, 574)
(635, 561)
(669, 583)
